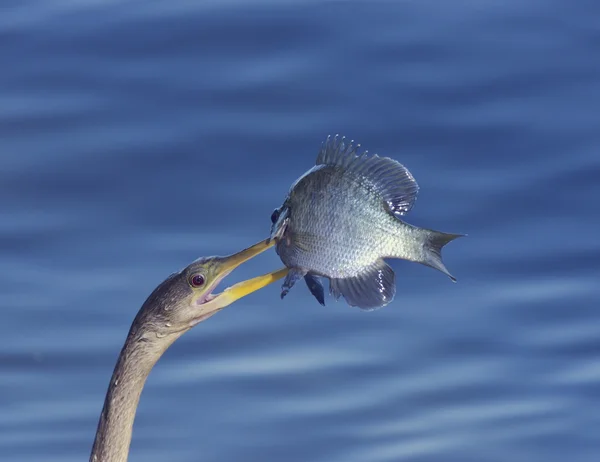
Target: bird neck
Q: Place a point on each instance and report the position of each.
(138, 356)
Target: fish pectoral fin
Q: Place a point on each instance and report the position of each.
(389, 178)
(302, 243)
(372, 289)
(316, 287)
(292, 277)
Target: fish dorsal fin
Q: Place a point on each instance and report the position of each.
(388, 177)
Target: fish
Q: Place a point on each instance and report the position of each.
(342, 218)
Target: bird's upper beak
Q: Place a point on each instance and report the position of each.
(226, 265)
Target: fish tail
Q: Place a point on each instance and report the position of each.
(432, 246)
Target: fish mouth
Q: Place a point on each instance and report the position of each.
(279, 227)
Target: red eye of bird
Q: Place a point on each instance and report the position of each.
(197, 280)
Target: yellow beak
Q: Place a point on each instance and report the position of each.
(241, 289)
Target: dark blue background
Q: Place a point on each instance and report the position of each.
(136, 136)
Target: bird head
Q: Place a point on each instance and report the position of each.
(187, 297)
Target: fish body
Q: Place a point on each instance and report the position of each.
(341, 219)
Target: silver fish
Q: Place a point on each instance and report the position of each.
(342, 218)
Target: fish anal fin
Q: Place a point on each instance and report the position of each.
(334, 290)
(388, 177)
(372, 289)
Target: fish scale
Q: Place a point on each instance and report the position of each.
(342, 218)
(334, 256)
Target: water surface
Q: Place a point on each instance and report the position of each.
(136, 136)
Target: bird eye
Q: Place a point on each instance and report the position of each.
(274, 216)
(197, 280)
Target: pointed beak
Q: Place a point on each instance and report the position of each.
(241, 289)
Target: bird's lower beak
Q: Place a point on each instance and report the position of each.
(241, 289)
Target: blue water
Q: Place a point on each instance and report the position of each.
(136, 136)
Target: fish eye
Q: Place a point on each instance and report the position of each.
(275, 216)
(197, 280)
